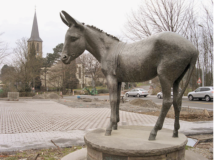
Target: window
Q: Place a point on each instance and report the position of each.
(37, 46)
(197, 90)
(205, 89)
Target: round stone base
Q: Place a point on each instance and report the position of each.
(131, 143)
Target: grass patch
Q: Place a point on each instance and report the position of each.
(44, 154)
(140, 84)
(90, 88)
(187, 147)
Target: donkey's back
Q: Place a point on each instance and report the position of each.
(164, 53)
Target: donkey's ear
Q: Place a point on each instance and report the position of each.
(71, 21)
(64, 20)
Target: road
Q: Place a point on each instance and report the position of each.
(185, 102)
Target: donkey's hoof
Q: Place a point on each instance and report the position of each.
(175, 134)
(115, 127)
(152, 137)
(108, 132)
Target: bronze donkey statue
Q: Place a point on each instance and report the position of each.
(166, 55)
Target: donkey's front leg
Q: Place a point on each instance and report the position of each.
(114, 103)
(115, 125)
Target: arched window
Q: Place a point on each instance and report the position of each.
(38, 47)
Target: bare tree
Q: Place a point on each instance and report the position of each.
(3, 50)
(178, 16)
(18, 74)
(160, 15)
(208, 20)
(92, 66)
(207, 42)
(27, 68)
(22, 76)
(62, 77)
(21, 52)
(55, 75)
(201, 35)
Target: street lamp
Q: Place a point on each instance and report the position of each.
(203, 63)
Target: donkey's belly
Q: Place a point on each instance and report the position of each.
(136, 73)
(138, 62)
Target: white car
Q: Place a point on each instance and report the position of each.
(137, 92)
(160, 95)
(200, 93)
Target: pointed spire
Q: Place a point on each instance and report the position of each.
(35, 33)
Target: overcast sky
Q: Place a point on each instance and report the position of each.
(17, 18)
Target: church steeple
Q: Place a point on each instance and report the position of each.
(35, 33)
(35, 38)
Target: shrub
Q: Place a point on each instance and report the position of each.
(3, 94)
(103, 91)
(26, 94)
(4, 91)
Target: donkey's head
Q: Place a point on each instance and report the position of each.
(74, 44)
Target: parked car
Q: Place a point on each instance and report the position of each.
(160, 94)
(200, 93)
(137, 92)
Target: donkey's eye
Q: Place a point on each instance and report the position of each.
(73, 39)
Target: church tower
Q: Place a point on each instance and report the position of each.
(35, 38)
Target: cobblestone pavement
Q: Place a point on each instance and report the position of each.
(32, 116)
(33, 124)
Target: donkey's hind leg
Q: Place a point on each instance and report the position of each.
(167, 102)
(113, 94)
(177, 107)
(177, 102)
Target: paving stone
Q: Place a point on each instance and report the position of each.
(29, 123)
(30, 116)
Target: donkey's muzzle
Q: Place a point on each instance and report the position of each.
(65, 59)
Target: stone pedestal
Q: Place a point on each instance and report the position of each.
(131, 143)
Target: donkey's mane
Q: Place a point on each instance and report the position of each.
(97, 29)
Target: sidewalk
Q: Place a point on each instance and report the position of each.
(33, 124)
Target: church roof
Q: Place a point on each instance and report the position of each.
(35, 33)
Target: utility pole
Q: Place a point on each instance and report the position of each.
(203, 76)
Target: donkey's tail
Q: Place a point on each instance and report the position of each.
(190, 71)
